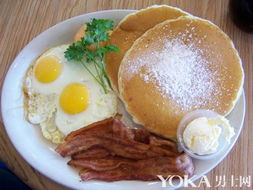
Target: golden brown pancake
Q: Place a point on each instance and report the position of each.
(176, 67)
(131, 28)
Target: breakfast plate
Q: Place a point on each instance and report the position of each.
(41, 154)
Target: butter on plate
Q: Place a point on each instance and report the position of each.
(201, 136)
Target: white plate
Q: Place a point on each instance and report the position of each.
(38, 152)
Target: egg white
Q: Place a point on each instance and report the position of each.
(43, 106)
(71, 72)
(101, 106)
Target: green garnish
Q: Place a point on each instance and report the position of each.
(81, 51)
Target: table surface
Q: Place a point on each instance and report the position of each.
(22, 20)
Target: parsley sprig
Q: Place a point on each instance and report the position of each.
(91, 51)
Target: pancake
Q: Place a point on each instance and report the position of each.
(131, 28)
(176, 67)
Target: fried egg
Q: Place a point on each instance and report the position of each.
(61, 96)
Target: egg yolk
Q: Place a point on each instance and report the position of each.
(48, 69)
(74, 98)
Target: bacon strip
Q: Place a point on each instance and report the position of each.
(109, 151)
(116, 138)
(119, 146)
(103, 126)
(94, 152)
(169, 145)
(116, 169)
(102, 164)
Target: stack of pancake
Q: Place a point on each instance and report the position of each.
(170, 64)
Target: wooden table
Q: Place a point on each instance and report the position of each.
(22, 20)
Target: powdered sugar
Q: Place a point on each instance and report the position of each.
(180, 73)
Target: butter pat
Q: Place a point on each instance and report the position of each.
(201, 136)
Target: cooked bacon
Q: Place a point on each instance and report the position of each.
(119, 130)
(108, 163)
(114, 169)
(93, 152)
(116, 138)
(101, 164)
(108, 150)
(158, 141)
(104, 126)
(141, 135)
(112, 175)
(116, 145)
